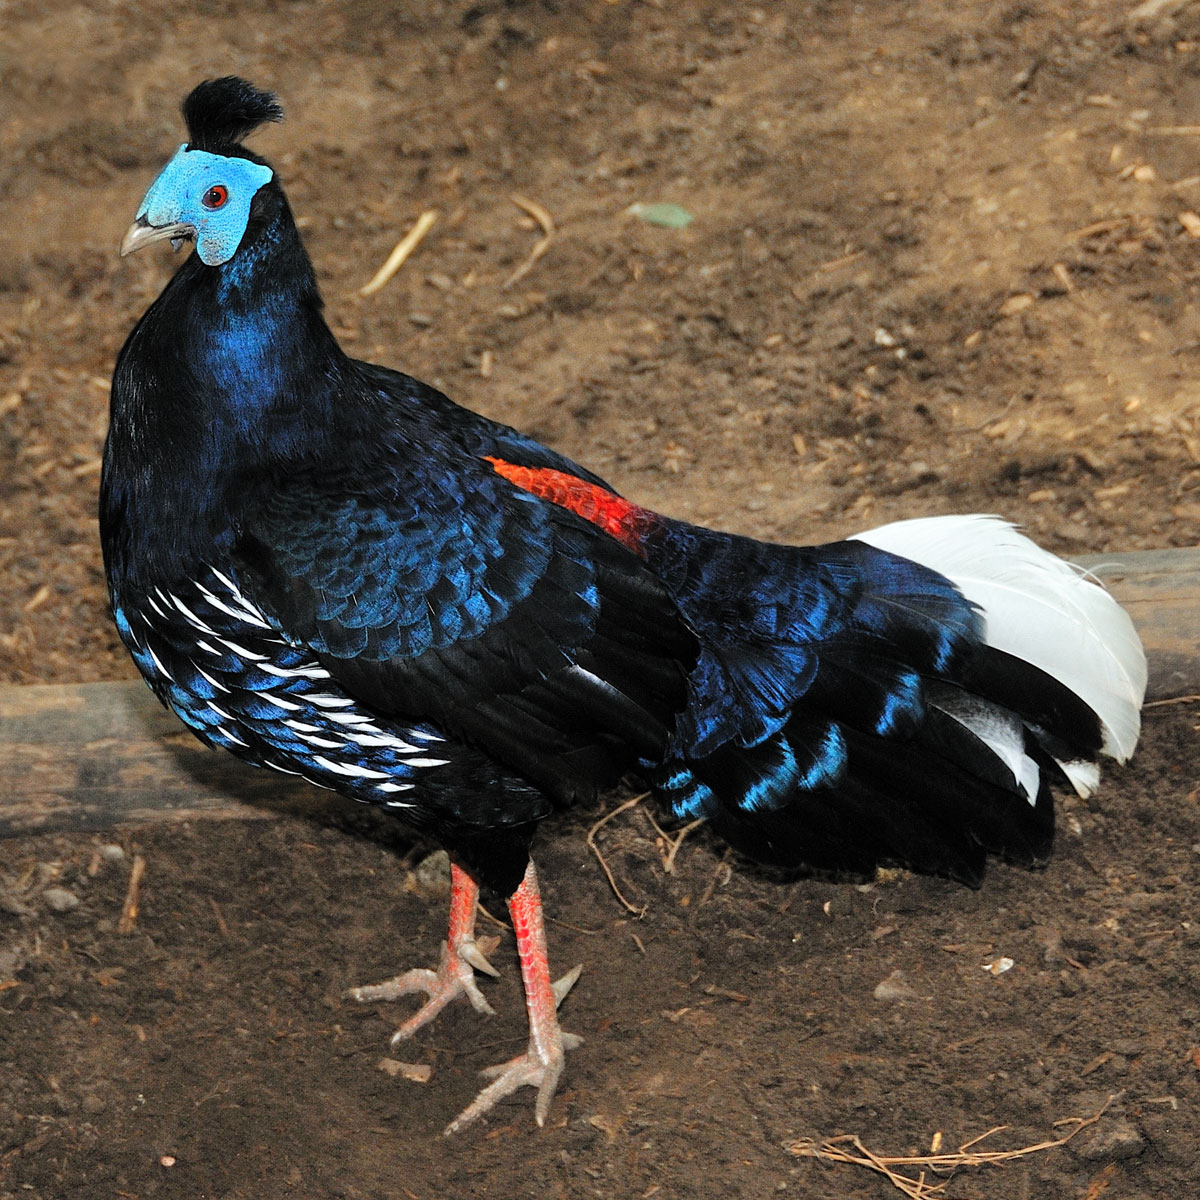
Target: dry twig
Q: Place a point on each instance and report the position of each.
(835, 263)
(404, 247)
(591, 841)
(546, 224)
(943, 1164)
(667, 845)
(1096, 227)
(129, 910)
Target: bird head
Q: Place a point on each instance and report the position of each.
(207, 190)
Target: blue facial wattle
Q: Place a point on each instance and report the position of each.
(177, 196)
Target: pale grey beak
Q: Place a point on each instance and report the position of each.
(142, 233)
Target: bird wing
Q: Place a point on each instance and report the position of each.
(452, 595)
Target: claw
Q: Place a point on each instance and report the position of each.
(471, 953)
(560, 987)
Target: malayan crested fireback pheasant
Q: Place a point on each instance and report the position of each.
(327, 567)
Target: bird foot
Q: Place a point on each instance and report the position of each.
(454, 977)
(540, 1066)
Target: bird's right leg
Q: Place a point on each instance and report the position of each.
(455, 974)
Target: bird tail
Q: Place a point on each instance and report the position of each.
(1051, 676)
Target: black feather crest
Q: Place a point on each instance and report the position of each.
(220, 113)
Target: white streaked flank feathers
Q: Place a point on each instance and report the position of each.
(1040, 609)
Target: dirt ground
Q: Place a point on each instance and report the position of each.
(943, 258)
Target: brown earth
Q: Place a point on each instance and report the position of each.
(942, 260)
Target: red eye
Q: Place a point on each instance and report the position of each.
(215, 197)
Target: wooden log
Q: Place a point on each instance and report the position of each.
(92, 756)
(1160, 589)
(77, 757)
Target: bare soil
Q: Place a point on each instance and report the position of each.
(943, 259)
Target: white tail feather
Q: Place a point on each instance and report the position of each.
(1084, 775)
(1039, 609)
(1000, 730)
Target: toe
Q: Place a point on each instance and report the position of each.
(419, 980)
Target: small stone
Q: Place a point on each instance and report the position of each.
(60, 899)
(998, 966)
(112, 853)
(1109, 1143)
(93, 1104)
(432, 874)
(895, 988)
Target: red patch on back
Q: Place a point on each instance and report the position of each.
(628, 523)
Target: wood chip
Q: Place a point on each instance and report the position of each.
(1099, 227)
(715, 989)
(1153, 10)
(1191, 222)
(417, 1072)
(1017, 304)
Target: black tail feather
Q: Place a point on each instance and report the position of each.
(939, 803)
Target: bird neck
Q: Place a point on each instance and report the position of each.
(230, 379)
(265, 362)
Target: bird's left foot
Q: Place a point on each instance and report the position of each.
(540, 1067)
(461, 957)
(454, 977)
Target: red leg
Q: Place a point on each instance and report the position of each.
(542, 1063)
(455, 974)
